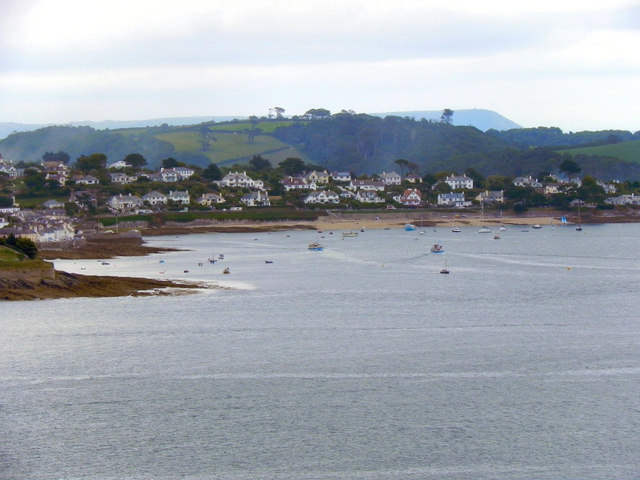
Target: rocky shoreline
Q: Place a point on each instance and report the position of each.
(69, 285)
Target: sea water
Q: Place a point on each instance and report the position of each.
(360, 361)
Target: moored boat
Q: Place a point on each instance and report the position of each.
(437, 248)
(315, 246)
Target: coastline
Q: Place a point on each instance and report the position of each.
(70, 285)
(106, 246)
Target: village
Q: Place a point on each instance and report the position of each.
(120, 189)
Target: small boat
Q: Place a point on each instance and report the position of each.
(496, 237)
(315, 246)
(105, 263)
(579, 227)
(445, 270)
(212, 260)
(537, 226)
(186, 271)
(437, 248)
(525, 229)
(409, 227)
(455, 230)
(221, 256)
(422, 232)
(226, 271)
(268, 261)
(350, 234)
(502, 228)
(484, 229)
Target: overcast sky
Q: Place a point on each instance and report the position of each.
(570, 64)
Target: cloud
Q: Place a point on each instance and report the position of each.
(219, 57)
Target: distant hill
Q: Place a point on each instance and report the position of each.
(6, 128)
(481, 119)
(359, 143)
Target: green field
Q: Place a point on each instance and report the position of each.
(629, 151)
(9, 258)
(232, 146)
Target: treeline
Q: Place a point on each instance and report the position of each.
(365, 144)
(555, 137)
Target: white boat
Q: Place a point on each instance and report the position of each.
(409, 227)
(502, 228)
(350, 234)
(484, 228)
(437, 248)
(537, 226)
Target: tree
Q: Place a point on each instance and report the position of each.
(171, 162)
(570, 167)
(136, 160)
(447, 116)
(60, 156)
(292, 166)
(212, 172)
(95, 161)
(402, 163)
(6, 201)
(478, 180)
(317, 113)
(279, 112)
(258, 163)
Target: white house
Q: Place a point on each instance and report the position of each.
(155, 198)
(528, 181)
(341, 176)
(623, 200)
(391, 178)
(411, 197)
(125, 202)
(368, 196)
(452, 200)
(86, 180)
(367, 185)
(182, 198)
(319, 178)
(259, 198)
(491, 196)
(211, 198)
(297, 183)
(237, 180)
(322, 196)
(119, 165)
(459, 181)
(122, 178)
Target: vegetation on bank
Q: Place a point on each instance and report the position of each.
(256, 215)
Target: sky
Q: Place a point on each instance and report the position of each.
(568, 64)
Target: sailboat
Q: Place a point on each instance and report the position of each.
(454, 229)
(484, 228)
(579, 227)
(445, 270)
